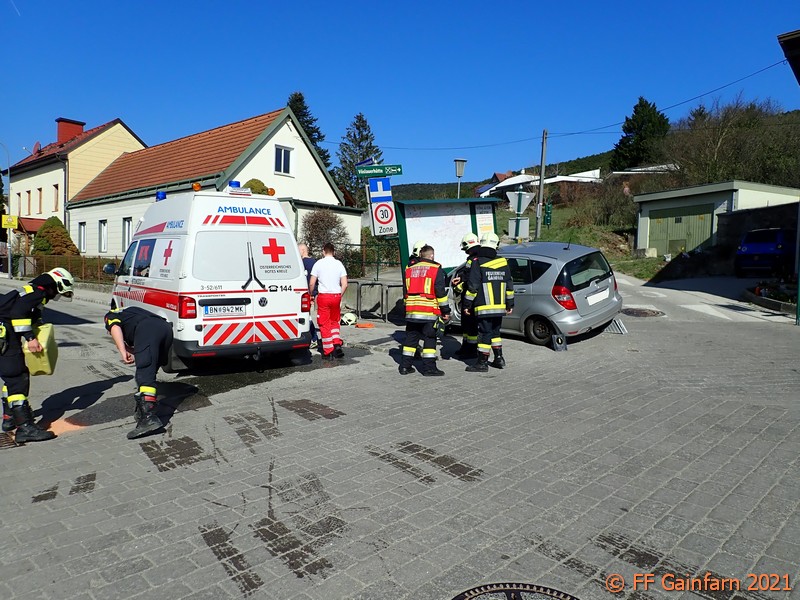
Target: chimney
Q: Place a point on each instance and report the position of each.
(68, 129)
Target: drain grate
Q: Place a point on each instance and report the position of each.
(642, 312)
(7, 441)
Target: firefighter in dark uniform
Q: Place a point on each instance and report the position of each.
(426, 300)
(469, 324)
(149, 338)
(19, 312)
(490, 296)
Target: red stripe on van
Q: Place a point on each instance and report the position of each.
(258, 221)
(246, 331)
(154, 229)
(267, 333)
(206, 220)
(280, 223)
(232, 220)
(276, 325)
(209, 333)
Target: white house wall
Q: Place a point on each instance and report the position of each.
(760, 199)
(305, 181)
(113, 214)
(352, 222)
(50, 179)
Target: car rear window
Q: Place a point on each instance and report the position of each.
(761, 236)
(580, 272)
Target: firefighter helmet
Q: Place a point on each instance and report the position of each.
(418, 245)
(469, 241)
(349, 318)
(490, 240)
(64, 281)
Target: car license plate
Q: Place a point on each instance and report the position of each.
(597, 297)
(225, 310)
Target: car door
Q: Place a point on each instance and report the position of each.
(525, 273)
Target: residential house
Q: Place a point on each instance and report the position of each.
(43, 183)
(271, 147)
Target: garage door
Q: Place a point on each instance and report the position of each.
(675, 230)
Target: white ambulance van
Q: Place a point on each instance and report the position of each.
(223, 268)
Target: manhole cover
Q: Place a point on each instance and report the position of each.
(642, 312)
(7, 441)
(513, 591)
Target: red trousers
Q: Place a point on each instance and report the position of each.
(329, 313)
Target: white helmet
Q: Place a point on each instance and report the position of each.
(490, 240)
(349, 318)
(418, 245)
(64, 281)
(469, 241)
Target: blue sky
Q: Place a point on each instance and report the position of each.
(436, 80)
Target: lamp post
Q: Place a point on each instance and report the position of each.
(460, 162)
(8, 195)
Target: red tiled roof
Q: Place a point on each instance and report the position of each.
(29, 224)
(64, 147)
(191, 157)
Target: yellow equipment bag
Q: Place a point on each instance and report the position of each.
(42, 363)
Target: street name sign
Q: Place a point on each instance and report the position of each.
(379, 170)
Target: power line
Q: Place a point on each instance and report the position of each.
(595, 130)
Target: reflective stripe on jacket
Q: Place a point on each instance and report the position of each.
(426, 294)
(490, 290)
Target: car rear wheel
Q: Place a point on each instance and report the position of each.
(538, 330)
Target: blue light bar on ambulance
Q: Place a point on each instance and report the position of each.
(161, 196)
(236, 189)
(234, 184)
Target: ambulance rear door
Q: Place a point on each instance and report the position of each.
(246, 278)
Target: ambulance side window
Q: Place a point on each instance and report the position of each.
(127, 262)
(144, 254)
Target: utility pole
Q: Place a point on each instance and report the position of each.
(541, 188)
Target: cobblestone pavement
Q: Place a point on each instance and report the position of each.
(670, 450)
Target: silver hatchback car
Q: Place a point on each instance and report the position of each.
(559, 288)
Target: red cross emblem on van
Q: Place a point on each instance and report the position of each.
(274, 250)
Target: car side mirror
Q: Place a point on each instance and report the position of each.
(110, 269)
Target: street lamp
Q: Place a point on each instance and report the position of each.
(460, 162)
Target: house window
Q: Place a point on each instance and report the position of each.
(82, 237)
(102, 236)
(28, 194)
(40, 201)
(678, 220)
(19, 203)
(126, 233)
(55, 198)
(282, 156)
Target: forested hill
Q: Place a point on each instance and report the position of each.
(424, 191)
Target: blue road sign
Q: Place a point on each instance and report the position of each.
(380, 189)
(365, 162)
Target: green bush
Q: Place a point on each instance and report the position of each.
(53, 238)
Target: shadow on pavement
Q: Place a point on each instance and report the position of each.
(74, 398)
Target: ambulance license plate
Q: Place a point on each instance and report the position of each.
(225, 310)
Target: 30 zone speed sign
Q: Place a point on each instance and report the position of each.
(384, 220)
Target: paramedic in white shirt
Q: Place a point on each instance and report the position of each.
(331, 277)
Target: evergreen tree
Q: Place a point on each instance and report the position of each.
(642, 133)
(53, 238)
(357, 144)
(297, 103)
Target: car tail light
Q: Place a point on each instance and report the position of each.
(187, 307)
(615, 284)
(305, 302)
(564, 297)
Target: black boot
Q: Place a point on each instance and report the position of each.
(429, 368)
(146, 419)
(405, 368)
(27, 431)
(481, 365)
(8, 418)
(499, 362)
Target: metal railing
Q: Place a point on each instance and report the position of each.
(83, 268)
